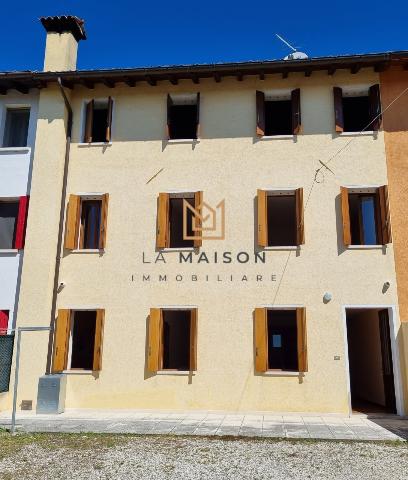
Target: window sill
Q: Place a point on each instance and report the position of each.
(88, 250)
(9, 251)
(94, 144)
(183, 140)
(283, 248)
(278, 373)
(78, 372)
(357, 134)
(179, 373)
(365, 247)
(177, 249)
(15, 149)
(277, 137)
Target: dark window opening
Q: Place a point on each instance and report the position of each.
(176, 223)
(90, 224)
(8, 224)
(16, 128)
(4, 319)
(176, 339)
(281, 211)
(282, 340)
(363, 219)
(183, 121)
(356, 113)
(100, 122)
(278, 117)
(83, 340)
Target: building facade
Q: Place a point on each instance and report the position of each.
(212, 237)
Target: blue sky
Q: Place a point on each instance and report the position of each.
(130, 33)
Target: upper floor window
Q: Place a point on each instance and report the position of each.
(357, 109)
(366, 218)
(280, 218)
(16, 127)
(278, 113)
(176, 220)
(183, 116)
(86, 222)
(98, 121)
(13, 217)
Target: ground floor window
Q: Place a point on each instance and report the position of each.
(172, 339)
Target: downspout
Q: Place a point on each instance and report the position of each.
(61, 224)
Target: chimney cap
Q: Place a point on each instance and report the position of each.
(65, 23)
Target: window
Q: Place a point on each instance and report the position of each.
(98, 121)
(280, 339)
(176, 222)
(78, 340)
(278, 115)
(183, 116)
(280, 218)
(366, 218)
(356, 111)
(172, 339)
(86, 222)
(13, 218)
(16, 127)
(4, 320)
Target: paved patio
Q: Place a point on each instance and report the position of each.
(356, 427)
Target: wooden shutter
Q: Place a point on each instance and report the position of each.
(21, 222)
(260, 113)
(375, 106)
(261, 340)
(61, 341)
(198, 203)
(162, 237)
(109, 120)
(338, 109)
(296, 116)
(169, 105)
(193, 340)
(198, 128)
(384, 214)
(97, 357)
(300, 228)
(301, 339)
(345, 213)
(89, 121)
(104, 221)
(72, 223)
(262, 219)
(154, 340)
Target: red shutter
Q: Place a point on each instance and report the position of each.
(4, 318)
(21, 222)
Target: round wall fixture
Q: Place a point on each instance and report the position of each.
(327, 297)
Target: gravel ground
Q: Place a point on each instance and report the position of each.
(92, 456)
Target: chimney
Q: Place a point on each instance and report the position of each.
(63, 34)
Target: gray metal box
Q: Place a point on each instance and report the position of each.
(51, 394)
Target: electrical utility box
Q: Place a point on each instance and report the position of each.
(51, 394)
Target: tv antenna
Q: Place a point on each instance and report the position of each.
(296, 54)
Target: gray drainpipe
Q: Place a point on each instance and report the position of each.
(61, 226)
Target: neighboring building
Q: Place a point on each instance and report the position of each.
(18, 118)
(291, 306)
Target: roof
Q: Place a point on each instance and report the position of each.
(23, 81)
(65, 23)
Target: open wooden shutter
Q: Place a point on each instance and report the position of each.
(198, 207)
(260, 113)
(104, 221)
(385, 223)
(61, 341)
(345, 213)
(193, 340)
(162, 237)
(72, 223)
(261, 340)
(296, 116)
(169, 105)
(89, 121)
(375, 106)
(300, 228)
(109, 120)
(154, 339)
(21, 222)
(198, 128)
(262, 219)
(301, 339)
(97, 358)
(338, 109)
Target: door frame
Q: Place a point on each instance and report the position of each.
(392, 318)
